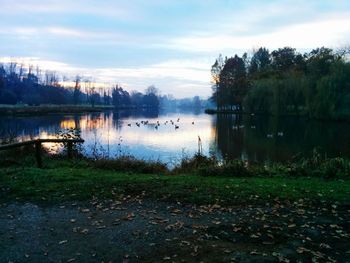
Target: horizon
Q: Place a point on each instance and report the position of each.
(170, 45)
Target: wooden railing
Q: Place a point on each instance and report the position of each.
(37, 143)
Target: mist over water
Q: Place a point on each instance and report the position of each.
(152, 136)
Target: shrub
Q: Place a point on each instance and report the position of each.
(130, 164)
(194, 163)
(234, 168)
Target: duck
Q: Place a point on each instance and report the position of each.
(176, 127)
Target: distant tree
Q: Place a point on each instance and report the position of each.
(120, 97)
(76, 91)
(93, 98)
(196, 102)
(106, 98)
(7, 97)
(152, 90)
(136, 99)
(151, 100)
(2, 79)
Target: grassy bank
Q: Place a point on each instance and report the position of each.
(46, 109)
(64, 181)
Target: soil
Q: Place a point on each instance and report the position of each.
(135, 230)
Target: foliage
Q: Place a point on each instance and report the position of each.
(194, 163)
(283, 82)
(235, 168)
(19, 85)
(121, 98)
(130, 164)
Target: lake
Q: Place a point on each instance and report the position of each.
(152, 136)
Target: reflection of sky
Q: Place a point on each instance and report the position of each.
(164, 143)
(220, 135)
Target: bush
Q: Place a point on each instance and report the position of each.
(335, 168)
(235, 168)
(130, 164)
(194, 163)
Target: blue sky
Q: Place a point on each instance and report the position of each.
(170, 44)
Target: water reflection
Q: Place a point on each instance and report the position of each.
(247, 137)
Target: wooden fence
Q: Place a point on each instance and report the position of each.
(38, 150)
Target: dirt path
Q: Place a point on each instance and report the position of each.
(133, 230)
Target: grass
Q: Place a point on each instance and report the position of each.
(66, 181)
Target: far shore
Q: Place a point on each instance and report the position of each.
(24, 109)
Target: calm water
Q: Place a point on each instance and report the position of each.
(248, 137)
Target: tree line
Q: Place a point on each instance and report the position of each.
(29, 85)
(284, 81)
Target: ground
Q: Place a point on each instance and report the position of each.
(134, 229)
(73, 212)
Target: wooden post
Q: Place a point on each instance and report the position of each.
(38, 154)
(70, 150)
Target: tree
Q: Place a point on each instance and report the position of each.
(320, 61)
(76, 92)
(2, 78)
(136, 99)
(151, 98)
(283, 59)
(233, 82)
(216, 69)
(260, 61)
(152, 90)
(120, 97)
(196, 102)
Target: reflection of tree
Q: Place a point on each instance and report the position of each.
(116, 120)
(229, 136)
(235, 137)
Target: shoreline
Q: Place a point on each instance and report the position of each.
(301, 115)
(25, 110)
(48, 109)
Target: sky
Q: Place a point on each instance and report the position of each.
(167, 43)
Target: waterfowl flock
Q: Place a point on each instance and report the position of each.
(176, 125)
(157, 124)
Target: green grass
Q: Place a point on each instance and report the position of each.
(64, 181)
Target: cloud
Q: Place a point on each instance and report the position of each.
(76, 7)
(327, 32)
(171, 44)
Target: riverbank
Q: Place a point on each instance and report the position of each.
(48, 109)
(77, 212)
(301, 115)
